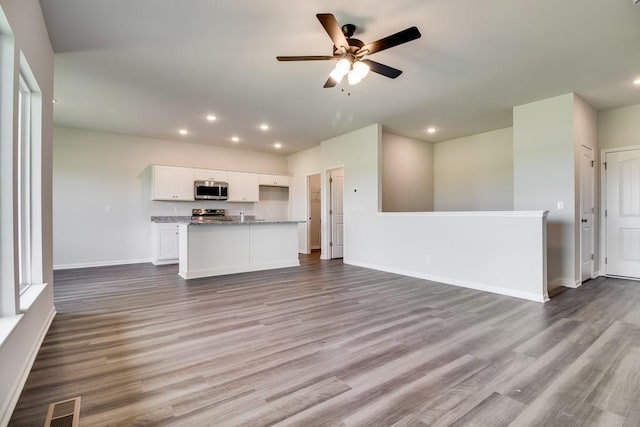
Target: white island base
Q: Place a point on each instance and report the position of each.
(216, 249)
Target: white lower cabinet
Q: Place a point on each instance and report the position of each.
(164, 242)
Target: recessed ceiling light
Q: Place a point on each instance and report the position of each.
(211, 118)
(277, 145)
(264, 126)
(431, 130)
(637, 82)
(235, 139)
(183, 132)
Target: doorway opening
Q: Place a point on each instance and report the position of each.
(314, 210)
(587, 214)
(336, 213)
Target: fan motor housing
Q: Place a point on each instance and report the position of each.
(354, 45)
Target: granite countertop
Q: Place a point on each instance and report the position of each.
(170, 219)
(233, 221)
(247, 221)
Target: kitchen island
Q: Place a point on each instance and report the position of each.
(214, 248)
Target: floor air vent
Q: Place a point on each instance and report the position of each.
(63, 414)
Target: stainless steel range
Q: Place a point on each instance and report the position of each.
(209, 215)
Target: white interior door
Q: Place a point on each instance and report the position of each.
(622, 213)
(587, 212)
(336, 212)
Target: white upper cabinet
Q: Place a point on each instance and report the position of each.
(274, 180)
(243, 187)
(176, 183)
(172, 183)
(210, 175)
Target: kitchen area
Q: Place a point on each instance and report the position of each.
(108, 186)
(222, 240)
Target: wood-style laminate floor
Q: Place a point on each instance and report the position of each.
(332, 344)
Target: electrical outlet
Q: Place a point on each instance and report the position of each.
(107, 209)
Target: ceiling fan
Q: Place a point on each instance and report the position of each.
(350, 52)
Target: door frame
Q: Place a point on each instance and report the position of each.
(325, 206)
(592, 273)
(603, 206)
(308, 212)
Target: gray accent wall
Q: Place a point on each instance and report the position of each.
(474, 173)
(407, 174)
(619, 127)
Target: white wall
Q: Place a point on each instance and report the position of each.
(407, 174)
(95, 170)
(547, 139)
(18, 349)
(500, 252)
(301, 165)
(585, 133)
(543, 164)
(619, 127)
(474, 173)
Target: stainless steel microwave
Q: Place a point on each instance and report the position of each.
(210, 190)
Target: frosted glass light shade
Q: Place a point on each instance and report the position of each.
(361, 69)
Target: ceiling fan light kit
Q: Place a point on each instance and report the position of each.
(355, 72)
(342, 68)
(350, 52)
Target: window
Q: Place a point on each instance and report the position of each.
(24, 185)
(21, 261)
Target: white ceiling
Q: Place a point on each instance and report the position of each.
(150, 67)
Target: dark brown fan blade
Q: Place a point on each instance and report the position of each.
(403, 36)
(305, 58)
(332, 28)
(330, 83)
(379, 68)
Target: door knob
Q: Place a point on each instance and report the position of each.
(584, 220)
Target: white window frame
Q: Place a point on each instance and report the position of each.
(25, 193)
(21, 272)
(9, 297)
(29, 276)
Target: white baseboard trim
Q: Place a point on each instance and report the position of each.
(208, 272)
(561, 281)
(100, 263)
(456, 282)
(16, 390)
(164, 262)
(622, 277)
